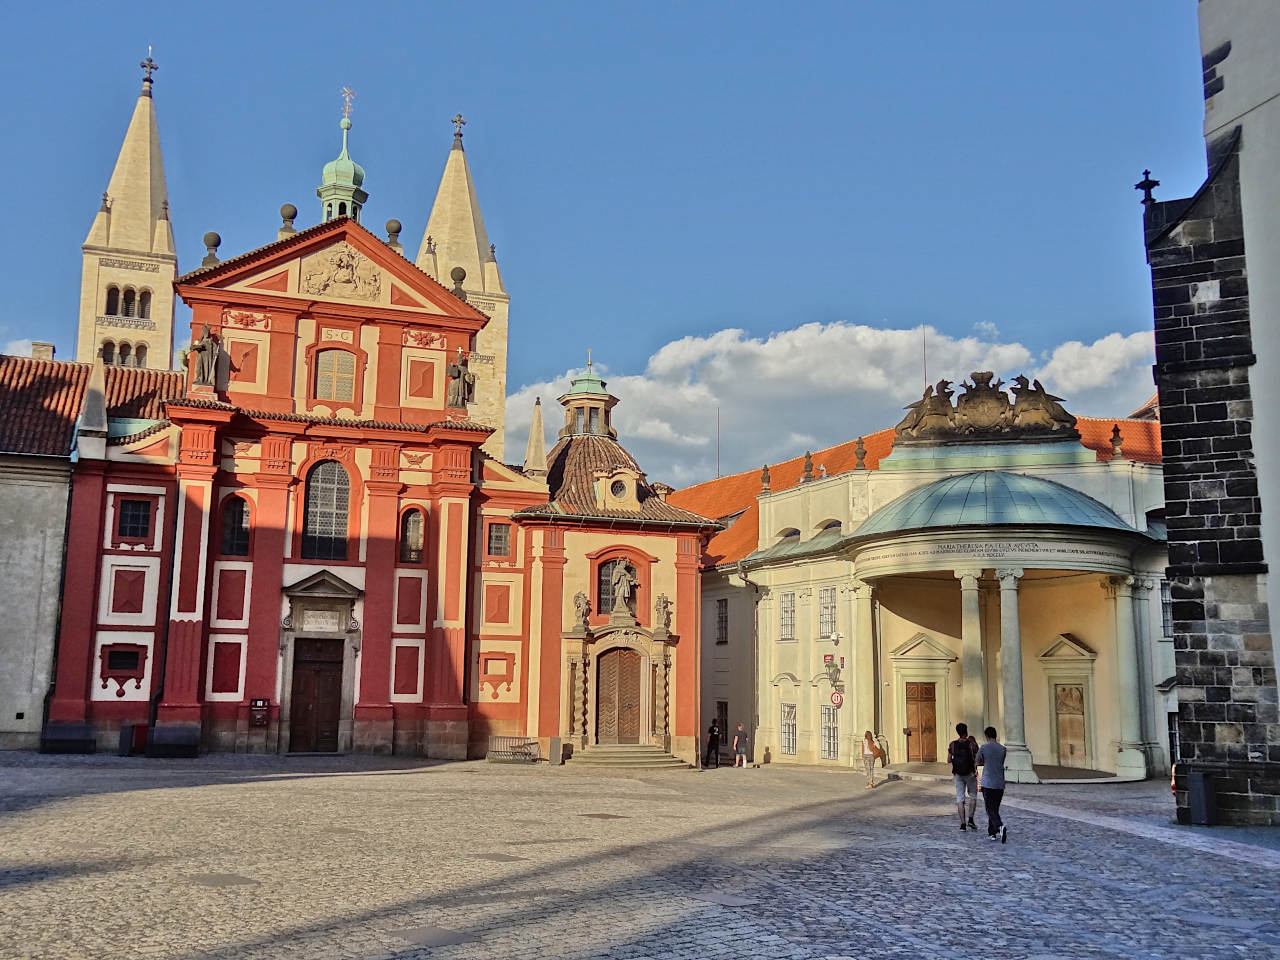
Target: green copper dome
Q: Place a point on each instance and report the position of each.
(587, 382)
(343, 171)
(339, 191)
(990, 498)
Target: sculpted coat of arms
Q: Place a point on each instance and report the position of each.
(984, 412)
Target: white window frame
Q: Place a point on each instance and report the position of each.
(830, 733)
(787, 724)
(827, 611)
(787, 615)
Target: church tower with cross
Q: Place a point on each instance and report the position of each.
(455, 240)
(126, 286)
(340, 190)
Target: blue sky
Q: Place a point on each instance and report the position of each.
(657, 172)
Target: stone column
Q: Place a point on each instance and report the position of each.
(660, 715)
(864, 665)
(1151, 720)
(973, 692)
(1131, 760)
(1018, 766)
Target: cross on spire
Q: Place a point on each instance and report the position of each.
(458, 123)
(148, 65)
(347, 95)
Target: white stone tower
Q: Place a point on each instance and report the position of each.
(455, 238)
(126, 285)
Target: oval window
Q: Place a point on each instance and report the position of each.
(619, 489)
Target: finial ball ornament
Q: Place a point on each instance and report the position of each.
(457, 274)
(393, 226)
(212, 240)
(288, 212)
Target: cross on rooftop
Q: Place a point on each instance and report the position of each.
(347, 95)
(148, 65)
(459, 123)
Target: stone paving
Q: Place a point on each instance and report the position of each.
(356, 858)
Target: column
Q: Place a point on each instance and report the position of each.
(660, 726)
(972, 692)
(864, 665)
(1018, 762)
(1131, 760)
(1151, 720)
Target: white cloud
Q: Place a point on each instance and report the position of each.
(17, 348)
(987, 329)
(814, 386)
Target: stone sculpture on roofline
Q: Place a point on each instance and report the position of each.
(984, 413)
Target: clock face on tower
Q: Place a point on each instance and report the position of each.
(619, 489)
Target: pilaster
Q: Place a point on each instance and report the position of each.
(1131, 760)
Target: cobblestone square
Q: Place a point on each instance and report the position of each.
(355, 858)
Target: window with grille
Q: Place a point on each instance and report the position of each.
(722, 621)
(787, 616)
(788, 728)
(1166, 609)
(133, 519)
(827, 611)
(411, 536)
(235, 528)
(830, 734)
(324, 512)
(499, 540)
(335, 376)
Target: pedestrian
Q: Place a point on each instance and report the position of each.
(991, 759)
(870, 751)
(713, 744)
(740, 747)
(962, 756)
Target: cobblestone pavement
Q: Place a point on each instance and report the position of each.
(358, 858)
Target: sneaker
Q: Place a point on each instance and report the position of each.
(963, 827)
(1004, 835)
(992, 838)
(972, 825)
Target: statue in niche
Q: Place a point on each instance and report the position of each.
(662, 613)
(582, 610)
(462, 383)
(208, 350)
(624, 583)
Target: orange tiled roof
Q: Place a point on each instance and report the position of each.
(41, 399)
(726, 496)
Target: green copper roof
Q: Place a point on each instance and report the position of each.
(587, 383)
(343, 171)
(990, 498)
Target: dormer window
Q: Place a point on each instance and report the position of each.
(618, 489)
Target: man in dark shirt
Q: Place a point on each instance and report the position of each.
(961, 754)
(991, 759)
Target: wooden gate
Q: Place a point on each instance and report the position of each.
(922, 710)
(1068, 701)
(618, 697)
(317, 696)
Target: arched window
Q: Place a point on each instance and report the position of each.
(335, 376)
(328, 211)
(140, 356)
(342, 209)
(235, 527)
(108, 352)
(604, 586)
(113, 302)
(144, 305)
(324, 512)
(122, 357)
(411, 536)
(130, 302)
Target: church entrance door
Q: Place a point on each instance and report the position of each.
(317, 696)
(922, 722)
(1068, 701)
(618, 697)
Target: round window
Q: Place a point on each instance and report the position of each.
(619, 489)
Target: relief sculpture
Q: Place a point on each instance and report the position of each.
(984, 413)
(341, 272)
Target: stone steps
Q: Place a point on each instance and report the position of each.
(626, 756)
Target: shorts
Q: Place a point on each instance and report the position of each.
(969, 783)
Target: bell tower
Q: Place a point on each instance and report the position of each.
(340, 190)
(126, 280)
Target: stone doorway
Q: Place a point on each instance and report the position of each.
(922, 723)
(1068, 700)
(317, 696)
(618, 697)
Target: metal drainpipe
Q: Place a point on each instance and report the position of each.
(755, 654)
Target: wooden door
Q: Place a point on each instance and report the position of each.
(922, 721)
(316, 700)
(618, 697)
(1068, 701)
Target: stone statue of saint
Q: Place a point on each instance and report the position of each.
(662, 612)
(582, 609)
(207, 362)
(462, 383)
(624, 584)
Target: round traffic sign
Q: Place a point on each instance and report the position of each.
(837, 698)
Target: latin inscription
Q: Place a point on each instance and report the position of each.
(128, 264)
(321, 621)
(995, 550)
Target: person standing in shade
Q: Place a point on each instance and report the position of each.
(740, 747)
(962, 756)
(991, 759)
(870, 751)
(713, 745)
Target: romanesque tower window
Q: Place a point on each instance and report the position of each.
(144, 305)
(124, 355)
(335, 376)
(108, 352)
(140, 356)
(235, 527)
(324, 512)
(129, 304)
(412, 528)
(113, 302)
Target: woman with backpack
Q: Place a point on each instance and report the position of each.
(870, 752)
(962, 754)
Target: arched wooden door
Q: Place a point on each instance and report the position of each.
(618, 697)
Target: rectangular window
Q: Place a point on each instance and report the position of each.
(123, 660)
(335, 376)
(830, 734)
(788, 743)
(133, 519)
(722, 621)
(595, 420)
(786, 616)
(1166, 608)
(499, 540)
(827, 611)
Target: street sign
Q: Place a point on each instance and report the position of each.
(837, 698)
(829, 658)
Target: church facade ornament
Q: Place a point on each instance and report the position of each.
(985, 412)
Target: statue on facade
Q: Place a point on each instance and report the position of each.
(984, 406)
(208, 350)
(462, 383)
(662, 613)
(1033, 406)
(984, 412)
(624, 583)
(582, 610)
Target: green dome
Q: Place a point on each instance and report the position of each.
(343, 171)
(990, 498)
(587, 383)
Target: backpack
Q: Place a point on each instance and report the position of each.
(962, 764)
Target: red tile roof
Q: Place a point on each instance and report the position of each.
(736, 494)
(41, 399)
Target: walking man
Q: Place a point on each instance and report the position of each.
(962, 756)
(740, 747)
(991, 759)
(713, 745)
